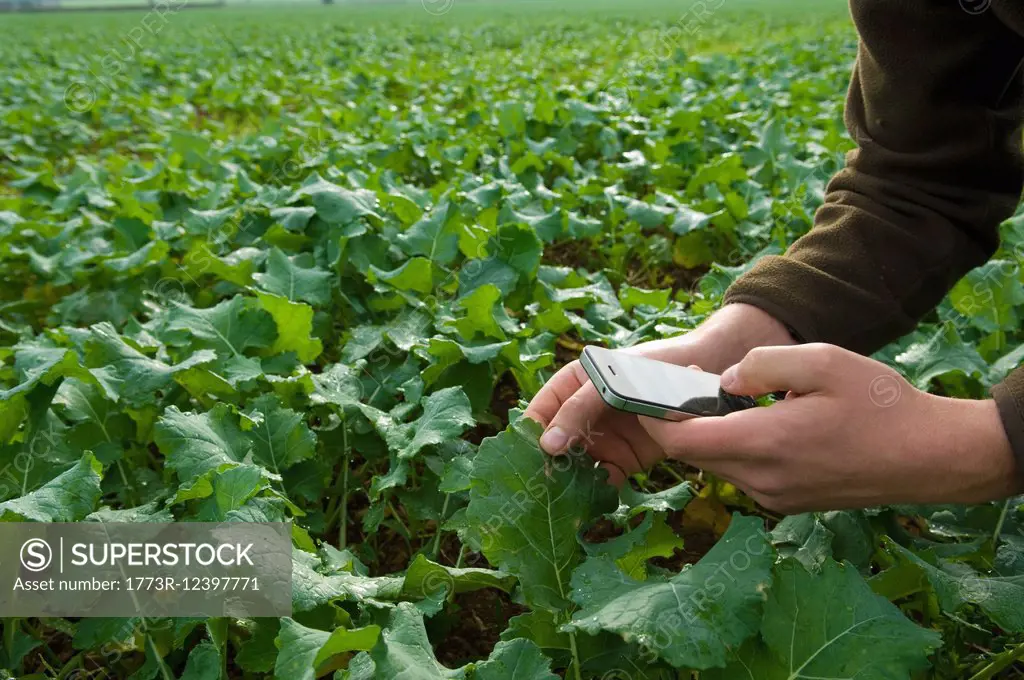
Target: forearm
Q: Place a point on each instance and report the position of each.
(967, 438)
(934, 105)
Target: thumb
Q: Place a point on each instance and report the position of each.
(794, 368)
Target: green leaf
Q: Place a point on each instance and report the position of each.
(128, 373)
(687, 220)
(298, 284)
(230, 327)
(634, 502)
(339, 385)
(258, 654)
(990, 295)
(446, 415)
(803, 538)
(647, 215)
(293, 219)
(515, 660)
(335, 204)
(281, 438)
(955, 585)
(944, 352)
(630, 297)
(294, 322)
(831, 625)
(226, 490)
(404, 652)
(526, 508)
(197, 443)
(424, 578)
(1002, 366)
(68, 497)
(518, 246)
(315, 582)
(204, 663)
(434, 236)
(19, 644)
(344, 640)
(150, 512)
(416, 274)
(42, 369)
(651, 538)
(303, 649)
(693, 619)
(481, 313)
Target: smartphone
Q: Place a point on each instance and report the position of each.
(635, 384)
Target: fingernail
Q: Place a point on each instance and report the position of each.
(728, 378)
(554, 440)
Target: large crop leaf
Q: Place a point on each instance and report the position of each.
(692, 619)
(229, 327)
(303, 650)
(831, 626)
(515, 660)
(336, 204)
(526, 508)
(294, 322)
(298, 284)
(127, 373)
(197, 443)
(424, 578)
(404, 651)
(68, 497)
(280, 437)
(955, 585)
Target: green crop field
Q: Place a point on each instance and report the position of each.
(308, 264)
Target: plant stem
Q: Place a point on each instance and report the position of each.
(164, 670)
(462, 554)
(668, 468)
(576, 657)
(437, 536)
(406, 534)
(999, 524)
(9, 626)
(343, 531)
(998, 663)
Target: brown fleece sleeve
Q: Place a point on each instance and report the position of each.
(935, 106)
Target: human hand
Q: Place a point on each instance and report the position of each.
(851, 433)
(573, 413)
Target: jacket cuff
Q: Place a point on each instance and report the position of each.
(773, 295)
(1009, 396)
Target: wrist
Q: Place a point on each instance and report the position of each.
(749, 326)
(977, 452)
(737, 328)
(722, 340)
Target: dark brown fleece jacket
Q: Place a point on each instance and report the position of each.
(935, 104)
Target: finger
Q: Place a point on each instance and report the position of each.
(569, 406)
(646, 451)
(616, 477)
(795, 368)
(555, 392)
(613, 448)
(704, 441)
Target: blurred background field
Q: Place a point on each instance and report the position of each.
(741, 15)
(775, 7)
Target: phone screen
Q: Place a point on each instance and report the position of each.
(656, 382)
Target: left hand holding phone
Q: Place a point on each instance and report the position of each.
(572, 412)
